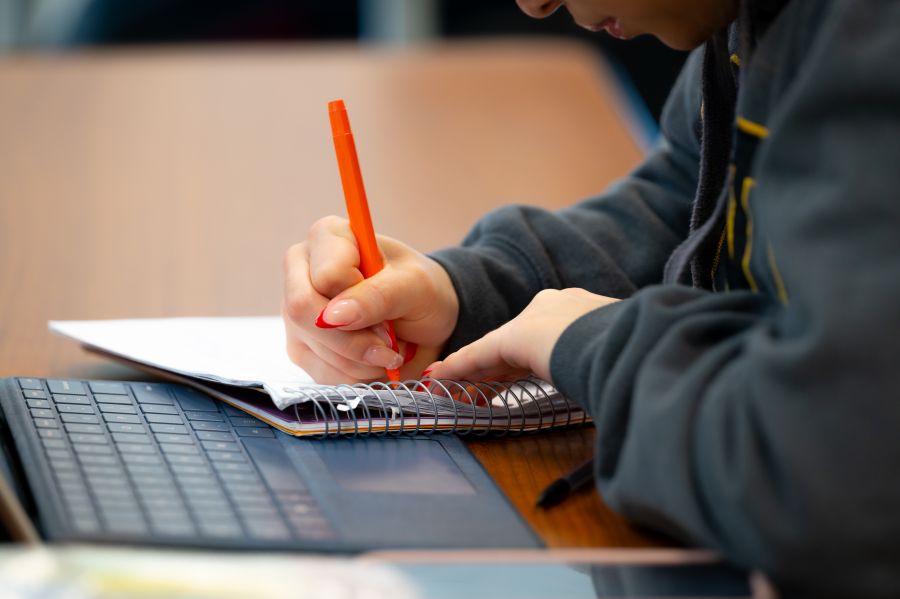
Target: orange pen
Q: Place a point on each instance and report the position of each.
(370, 261)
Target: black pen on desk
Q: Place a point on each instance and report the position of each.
(561, 488)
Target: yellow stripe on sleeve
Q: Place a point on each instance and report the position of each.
(780, 289)
(751, 128)
(748, 244)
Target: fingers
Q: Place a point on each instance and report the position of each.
(486, 358)
(390, 294)
(333, 256)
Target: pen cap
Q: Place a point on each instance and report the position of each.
(340, 123)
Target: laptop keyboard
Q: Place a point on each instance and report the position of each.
(147, 459)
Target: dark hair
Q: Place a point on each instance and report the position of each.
(719, 99)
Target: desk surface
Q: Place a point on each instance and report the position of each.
(170, 182)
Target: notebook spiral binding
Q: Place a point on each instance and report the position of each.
(430, 406)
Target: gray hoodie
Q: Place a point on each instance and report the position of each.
(760, 418)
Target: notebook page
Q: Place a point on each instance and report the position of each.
(244, 351)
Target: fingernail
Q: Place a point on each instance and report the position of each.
(425, 373)
(343, 311)
(382, 332)
(379, 355)
(323, 324)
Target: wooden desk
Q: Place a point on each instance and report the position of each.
(170, 182)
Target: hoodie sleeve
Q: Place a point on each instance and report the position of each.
(613, 244)
(767, 425)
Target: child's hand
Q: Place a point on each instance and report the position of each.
(334, 317)
(524, 344)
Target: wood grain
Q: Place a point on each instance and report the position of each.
(170, 182)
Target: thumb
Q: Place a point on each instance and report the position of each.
(385, 296)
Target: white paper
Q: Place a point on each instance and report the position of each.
(245, 351)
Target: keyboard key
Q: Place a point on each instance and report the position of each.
(249, 502)
(174, 429)
(66, 408)
(189, 469)
(116, 409)
(167, 438)
(140, 458)
(53, 443)
(244, 421)
(223, 467)
(158, 409)
(209, 416)
(49, 433)
(124, 427)
(214, 436)
(65, 476)
(243, 490)
(43, 404)
(136, 469)
(62, 454)
(136, 448)
(67, 387)
(159, 503)
(244, 478)
(180, 458)
(220, 446)
(79, 418)
(191, 400)
(46, 423)
(41, 413)
(30, 384)
(163, 419)
(268, 512)
(104, 472)
(98, 449)
(116, 399)
(254, 431)
(126, 418)
(87, 438)
(231, 410)
(177, 448)
(153, 481)
(211, 507)
(130, 438)
(34, 394)
(226, 456)
(67, 464)
(90, 429)
(102, 460)
(210, 426)
(147, 393)
(108, 387)
(200, 484)
(72, 399)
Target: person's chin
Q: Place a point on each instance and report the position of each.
(685, 41)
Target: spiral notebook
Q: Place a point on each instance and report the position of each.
(242, 362)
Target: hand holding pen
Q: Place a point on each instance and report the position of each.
(335, 313)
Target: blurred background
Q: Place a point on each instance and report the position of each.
(645, 67)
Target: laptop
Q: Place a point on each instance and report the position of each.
(162, 464)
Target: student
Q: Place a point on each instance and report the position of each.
(729, 312)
